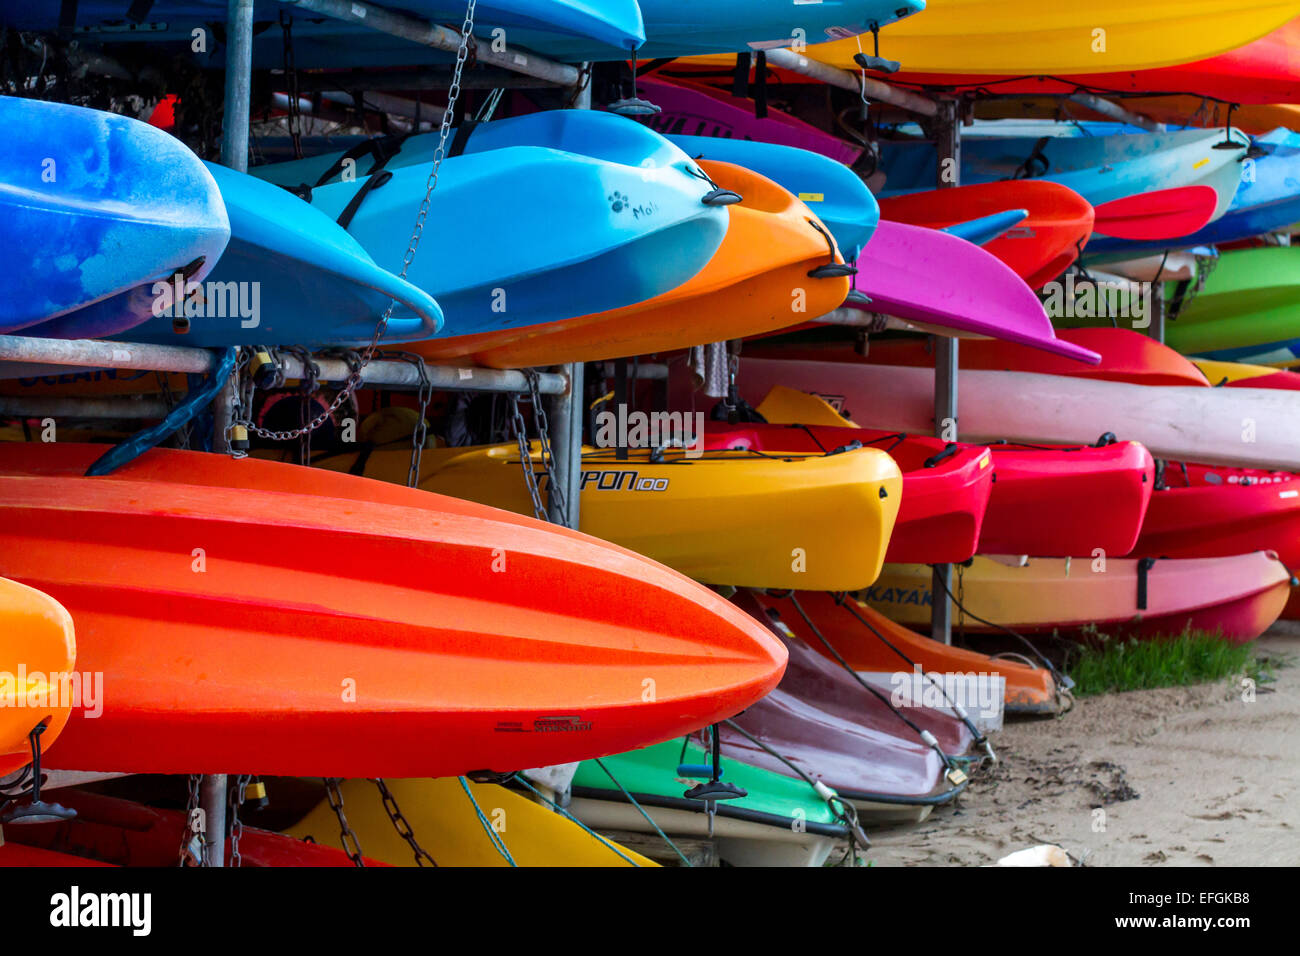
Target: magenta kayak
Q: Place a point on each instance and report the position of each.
(947, 285)
(700, 111)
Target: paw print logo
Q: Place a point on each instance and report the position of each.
(618, 201)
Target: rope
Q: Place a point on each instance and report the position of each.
(632, 800)
(487, 826)
(565, 813)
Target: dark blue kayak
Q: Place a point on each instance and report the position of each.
(94, 208)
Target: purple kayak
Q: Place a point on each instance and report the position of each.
(698, 111)
(824, 722)
(947, 285)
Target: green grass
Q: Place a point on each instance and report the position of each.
(1108, 665)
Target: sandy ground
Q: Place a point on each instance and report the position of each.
(1183, 777)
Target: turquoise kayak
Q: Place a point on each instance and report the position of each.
(834, 192)
(1102, 169)
(540, 218)
(291, 275)
(782, 821)
(94, 208)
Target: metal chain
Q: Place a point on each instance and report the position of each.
(237, 827)
(526, 459)
(291, 75)
(420, 433)
(187, 834)
(354, 379)
(543, 424)
(401, 825)
(351, 846)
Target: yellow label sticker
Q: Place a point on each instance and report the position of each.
(984, 462)
(1200, 162)
(812, 197)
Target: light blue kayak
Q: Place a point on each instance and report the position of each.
(1100, 168)
(1267, 200)
(540, 218)
(94, 207)
(291, 276)
(833, 191)
(612, 26)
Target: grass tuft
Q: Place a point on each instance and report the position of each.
(1106, 665)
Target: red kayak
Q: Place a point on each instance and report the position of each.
(1059, 501)
(1047, 500)
(946, 487)
(1039, 249)
(251, 615)
(1160, 214)
(1126, 356)
(114, 832)
(1201, 511)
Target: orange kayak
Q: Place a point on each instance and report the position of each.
(1039, 249)
(37, 650)
(1126, 356)
(252, 614)
(879, 646)
(773, 243)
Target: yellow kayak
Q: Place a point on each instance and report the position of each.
(445, 823)
(812, 521)
(1028, 36)
(1231, 372)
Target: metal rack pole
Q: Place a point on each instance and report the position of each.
(948, 144)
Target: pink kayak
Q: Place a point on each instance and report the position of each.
(700, 111)
(947, 285)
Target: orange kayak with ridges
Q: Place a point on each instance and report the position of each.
(255, 615)
(37, 650)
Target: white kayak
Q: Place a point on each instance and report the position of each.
(1247, 427)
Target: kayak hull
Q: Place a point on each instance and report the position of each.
(696, 515)
(352, 577)
(1238, 597)
(944, 496)
(1039, 249)
(1258, 428)
(882, 648)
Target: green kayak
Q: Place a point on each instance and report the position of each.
(1248, 311)
(782, 822)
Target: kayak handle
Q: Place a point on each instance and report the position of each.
(877, 64)
(948, 451)
(698, 771)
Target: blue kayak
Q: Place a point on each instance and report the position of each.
(1100, 168)
(1267, 200)
(833, 191)
(612, 26)
(292, 276)
(540, 218)
(94, 208)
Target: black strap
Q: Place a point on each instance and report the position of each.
(461, 139)
(740, 79)
(1144, 566)
(382, 148)
(67, 16)
(760, 92)
(1177, 301)
(139, 9)
(1026, 170)
(372, 183)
